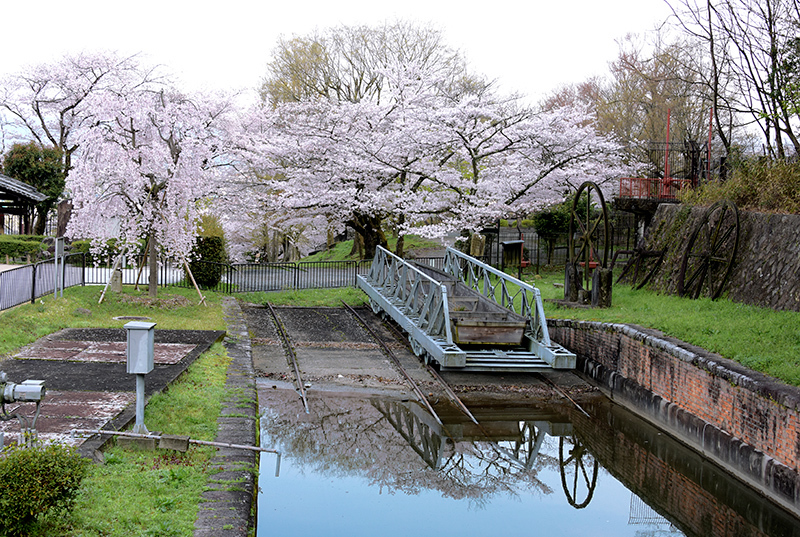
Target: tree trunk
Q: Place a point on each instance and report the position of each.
(152, 284)
(358, 246)
(369, 227)
(64, 214)
(399, 249)
(40, 222)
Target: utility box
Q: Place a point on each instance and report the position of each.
(141, 341)
(512, 253)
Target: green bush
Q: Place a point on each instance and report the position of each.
(208, 260)
(757, 184)
(20, 246)
(35, 481)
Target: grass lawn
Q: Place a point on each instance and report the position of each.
(138, 493)
(341, 250)
(759, 338)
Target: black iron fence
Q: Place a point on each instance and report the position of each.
(29, 282)
(26, 283)
(554, 251)
(252, 277)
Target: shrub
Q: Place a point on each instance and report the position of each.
(20, 245)
(757, 184)
(36, 480)
(208, 256)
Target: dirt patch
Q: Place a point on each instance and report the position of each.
(86, 380)
(61, 412)
(171, 303)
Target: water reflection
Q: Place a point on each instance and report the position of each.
(360, 463)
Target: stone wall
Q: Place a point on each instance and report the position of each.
(767, 270)
(745, 421)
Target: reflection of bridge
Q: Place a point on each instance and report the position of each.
(507, 446)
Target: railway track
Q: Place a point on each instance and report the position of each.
(291, 357)
(415, 388)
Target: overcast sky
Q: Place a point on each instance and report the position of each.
(529, 47)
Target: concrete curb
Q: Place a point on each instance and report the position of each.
(227, 507)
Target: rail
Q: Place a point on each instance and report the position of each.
(414, 386)
(291, 357)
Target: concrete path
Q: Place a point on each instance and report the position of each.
(227, 505)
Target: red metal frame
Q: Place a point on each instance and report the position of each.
(667, 188)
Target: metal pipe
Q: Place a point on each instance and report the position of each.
(158, 437)
(666, 153)
(190, 440)
(139, 426)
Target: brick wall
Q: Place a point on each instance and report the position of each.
(744, 421)
(698, 497)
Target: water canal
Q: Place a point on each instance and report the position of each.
(373, 463)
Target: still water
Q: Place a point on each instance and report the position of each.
(361, 464)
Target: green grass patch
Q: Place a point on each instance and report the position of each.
(191, 406)
(137, 493)
(155, 493)
(309, 298)
(762, 339)
(174, 308)
(341, 250)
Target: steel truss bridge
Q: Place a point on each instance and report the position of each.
(468, 316)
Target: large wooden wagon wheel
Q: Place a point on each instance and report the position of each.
(589, 232)
(710, 252)
(641, 267)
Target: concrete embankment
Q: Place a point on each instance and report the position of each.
(227, 508)
(744, 421)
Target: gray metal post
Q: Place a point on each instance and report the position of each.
(139, 426)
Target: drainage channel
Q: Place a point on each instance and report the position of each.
(368, 462)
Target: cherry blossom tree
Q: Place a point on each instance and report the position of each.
(148, 160)
(46, 102)
(440, 161)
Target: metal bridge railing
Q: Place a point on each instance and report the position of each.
(507, 291)
(421, 298)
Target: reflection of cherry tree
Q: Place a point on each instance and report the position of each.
(353, 436)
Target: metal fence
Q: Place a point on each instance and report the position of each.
(252, 277)
(242, 277)
(29, 282)
(540, 252)
(26, 283)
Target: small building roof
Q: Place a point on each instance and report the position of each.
(18, 198)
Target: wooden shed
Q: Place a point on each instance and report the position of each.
(20, 199)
